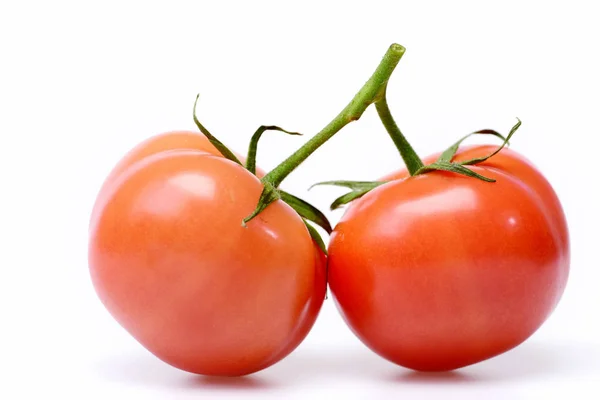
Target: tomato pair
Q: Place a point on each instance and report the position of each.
(215, 270)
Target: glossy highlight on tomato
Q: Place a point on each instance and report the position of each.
(171, 262)
(439, 271)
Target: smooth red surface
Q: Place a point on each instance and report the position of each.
(439, 271)
(171, 262)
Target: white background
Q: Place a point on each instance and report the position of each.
(83, 82)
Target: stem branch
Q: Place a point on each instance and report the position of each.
(408, 154)
(372, 92)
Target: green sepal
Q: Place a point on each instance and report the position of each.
(354, 185)
(359, 189)
(478, 160)
(315, 236)
(268, 195)
(447, 155)
(452, 167)
(306, 210)
(252, 148)
(348, 198)
(215, 142)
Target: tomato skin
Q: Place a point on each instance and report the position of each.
(440, 271)
(171, 262)
(517, 165)
(174, 140)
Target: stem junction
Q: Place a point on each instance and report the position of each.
(371, 92)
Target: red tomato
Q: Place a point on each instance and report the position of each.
(171, 262)
(439, 271)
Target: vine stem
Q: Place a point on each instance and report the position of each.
(411, 159)
(372, 92)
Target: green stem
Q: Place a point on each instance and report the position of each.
(408, 154)
(372, 91)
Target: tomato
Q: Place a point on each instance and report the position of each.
(439, 271)
(169, 259)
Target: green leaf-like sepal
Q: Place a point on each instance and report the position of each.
(315, 236)
(251, 160)
(306, 210)
(447, 155)
(215, 142)
(348, 198)
(478, 160)
(444, 163)
(452, 167)
(268, 195)
(359, 189)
